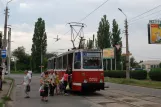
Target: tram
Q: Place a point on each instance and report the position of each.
(86, 68)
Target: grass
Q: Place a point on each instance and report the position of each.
(6, 98)
(1, 104)
(142, 83)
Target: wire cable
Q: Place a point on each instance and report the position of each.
(89, 14)
(94, 10)
(144, 13)
(145, 16)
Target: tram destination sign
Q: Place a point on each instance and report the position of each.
(91, 54)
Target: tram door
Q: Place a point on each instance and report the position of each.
(70, 62)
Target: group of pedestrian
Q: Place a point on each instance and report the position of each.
(50, 84)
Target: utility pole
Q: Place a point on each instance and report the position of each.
(4, 42)
(127, 50)
(127, 46)
(9, 51)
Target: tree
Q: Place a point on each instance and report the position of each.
(23, 62)
(116, 40)
(160, 65)
(103, 33)
(0, 43)
(39, 44)
(134, 63)
(89, 44)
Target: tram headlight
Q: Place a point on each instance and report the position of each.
(83, 74)
(101, 74)
(85, 81)
(101, 81)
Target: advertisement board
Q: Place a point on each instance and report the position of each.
(109, 53)
(154, 32)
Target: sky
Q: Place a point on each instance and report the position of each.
(57, 13)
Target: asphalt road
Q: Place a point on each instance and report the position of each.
(118, 93)
(34, 101)
(136, 89)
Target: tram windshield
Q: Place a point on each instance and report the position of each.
(92, 60)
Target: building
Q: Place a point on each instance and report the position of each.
(149, 64)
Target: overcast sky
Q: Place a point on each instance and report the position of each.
(57, 13)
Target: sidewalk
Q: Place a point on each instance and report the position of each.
(135, 89)
(5, 89)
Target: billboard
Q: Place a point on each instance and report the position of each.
(154, 32)
(109, 53)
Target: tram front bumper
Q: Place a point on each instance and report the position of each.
(92, 86)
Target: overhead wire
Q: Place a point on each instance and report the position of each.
(145, 16)
(144, 13)
(89, 14)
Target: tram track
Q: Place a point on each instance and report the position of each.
(120, 98)
(138, 97)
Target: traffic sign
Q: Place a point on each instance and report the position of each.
(3, 53)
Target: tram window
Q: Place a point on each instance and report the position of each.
(92, 60)
(57, 63)
(54, 63)
(60, 62)
(65, 62)
(77, 60)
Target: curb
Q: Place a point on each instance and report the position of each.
(9, 91)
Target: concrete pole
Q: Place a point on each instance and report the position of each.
(4, 42)
(127, 51)
(9, 51)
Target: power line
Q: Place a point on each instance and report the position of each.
(89, 14)
(94, 10)
(145, 16)
(144, 13)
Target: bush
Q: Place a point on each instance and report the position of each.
(138, 74)
(155, 74)
(115, 74)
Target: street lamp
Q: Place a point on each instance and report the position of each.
(8, 2)
(127, 46)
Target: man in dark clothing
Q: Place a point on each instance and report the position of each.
(1, 78)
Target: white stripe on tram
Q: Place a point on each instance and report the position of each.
(77, 84)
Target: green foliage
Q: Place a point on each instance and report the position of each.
(39, 44)
(139, 74)
(155, 74)
(116, 40)
(0, 39)
(23, 59)
(89, 44)
(115, 74)
(134, 63)
(160, 65)
(103, 33)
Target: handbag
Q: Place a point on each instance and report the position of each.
(28, 88)
(42, 92)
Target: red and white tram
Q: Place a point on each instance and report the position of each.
(87, 70)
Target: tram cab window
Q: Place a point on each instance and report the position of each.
(92, 60)
(77, 60)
